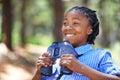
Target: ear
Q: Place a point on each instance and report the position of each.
(89, 30)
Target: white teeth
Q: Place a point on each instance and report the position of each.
(69, 35)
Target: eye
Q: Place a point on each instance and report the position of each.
(75, 23)
(65, 23)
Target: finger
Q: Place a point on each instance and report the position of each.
(46, 61)
(65, 63)
(66, 55)
(51, 63)
(40, 64)
(46, 54)
(44, 58)
(67, 58)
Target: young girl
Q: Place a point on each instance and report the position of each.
(80, 28)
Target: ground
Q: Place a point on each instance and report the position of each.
(19, 64)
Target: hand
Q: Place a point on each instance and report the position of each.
(69, 61)
(44, 61)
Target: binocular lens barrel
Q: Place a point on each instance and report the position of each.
(56, 50)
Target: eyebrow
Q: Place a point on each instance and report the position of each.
(72, 19)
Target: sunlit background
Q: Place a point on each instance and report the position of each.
(28, 27)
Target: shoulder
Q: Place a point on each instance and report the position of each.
(102, 52)
(106, 63)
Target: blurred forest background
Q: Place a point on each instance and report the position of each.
(28, 27)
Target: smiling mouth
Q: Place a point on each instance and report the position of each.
(69, 35)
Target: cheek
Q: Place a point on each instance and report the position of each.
(79, 31)
(81, 34)
(62, 29)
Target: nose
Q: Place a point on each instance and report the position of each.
(69, 27)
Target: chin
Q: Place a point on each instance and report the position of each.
(71, 42)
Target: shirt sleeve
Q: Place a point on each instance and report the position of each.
(107, 65)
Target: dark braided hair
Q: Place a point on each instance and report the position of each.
(93, 21)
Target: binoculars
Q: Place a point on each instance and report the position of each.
(56, 50)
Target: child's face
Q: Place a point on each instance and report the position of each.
(76, 28)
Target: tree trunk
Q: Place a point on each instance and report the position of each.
(7, 23)
(58, 12)
(85, 2)
(118, 30)
(105, 41)
(23, 21)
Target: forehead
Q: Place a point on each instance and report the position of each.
(74, 14)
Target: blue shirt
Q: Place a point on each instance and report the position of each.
(98, 59)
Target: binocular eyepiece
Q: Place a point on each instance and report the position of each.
(56, 50)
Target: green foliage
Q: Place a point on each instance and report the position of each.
(0, 35)
(115, 51)
(16, 39)
(38, 22)
(40, 40)
(39, 19)
(39, 13)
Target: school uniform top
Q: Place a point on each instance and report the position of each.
(98, 59)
